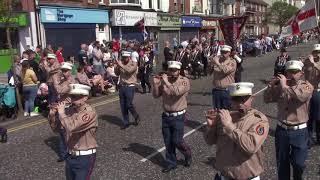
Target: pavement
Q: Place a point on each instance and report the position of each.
(31, 150)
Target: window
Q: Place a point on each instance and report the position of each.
(150, 4)
(125, 2)
(101, 1)
(90, 1)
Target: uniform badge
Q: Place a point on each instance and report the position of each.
(260, 130)
(85, 118)
(307, 87)
(184, 83)
(237, 86)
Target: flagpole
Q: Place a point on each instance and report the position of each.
(317, 4)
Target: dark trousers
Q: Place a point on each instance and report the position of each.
(314, 118)
(126, 95)
(221, 99)
(291, 147)
(53, 95)
(145, 81)
(63, 148)
(80, 167)
(172, 131)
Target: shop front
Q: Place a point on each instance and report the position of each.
(209, 29)
(70, 27)
(17, 23)
(190, 27)
(124, 25)
(169, 31)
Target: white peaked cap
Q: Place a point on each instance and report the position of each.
(174, 64)
(79, 89)
(240, 89)
(294, 65)
(184, 44)
(66, 65)
(316, 47)
(126, 54)
(226, 48)
(51, 56)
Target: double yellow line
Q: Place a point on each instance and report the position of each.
(41, 121)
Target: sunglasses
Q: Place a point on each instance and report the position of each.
(240, 98)
(293, 71)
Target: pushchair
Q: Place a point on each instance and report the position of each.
(7, 101)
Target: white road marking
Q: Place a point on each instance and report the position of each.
(163, 148)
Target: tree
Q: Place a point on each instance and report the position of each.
(279, 13)
(6, 13)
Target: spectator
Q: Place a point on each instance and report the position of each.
(59, 54)
(106, 56)
(96, 80)
(90, 52)
(110, 74)
(279, 66)
(256, 47)
(168, 54)
(48, 49)
(33, 63)
(134, 53)
(83, 56)
(97, 59)
(115, 48)
(38, 53)
(30, 88)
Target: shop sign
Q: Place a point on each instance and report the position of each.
(4, 52)
(130, 18)
(191, 21)
(15, 20)
(209, 23)
(169, 21)
(68, 15)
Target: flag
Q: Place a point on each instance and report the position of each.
(142, 28)
(231, 28)
(304, 19)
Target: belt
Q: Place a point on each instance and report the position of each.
(175, 113)
(127, 85)
(292, 127)
(82, 152)
(226, 178)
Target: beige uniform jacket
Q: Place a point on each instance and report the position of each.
(293, 102)
(223, 74)
(80, 128)
(239, 153)
(174, 95)
(63, 86)
(312, 73)
(82, 78)
(53, 73)
(127, 73)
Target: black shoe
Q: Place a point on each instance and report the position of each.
(168, 169)
(60, 160)
(137, 120)
(188, 161)
(3, 134)
(124, 127)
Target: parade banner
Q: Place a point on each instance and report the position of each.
(231, 28)
(305, 19)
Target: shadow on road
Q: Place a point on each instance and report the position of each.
(111, 119)
(197, 104)
(194, 125)
(201, 93)
(145, 151)
(53, 143)
(211, 161)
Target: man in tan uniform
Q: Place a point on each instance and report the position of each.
(127, 70)
(238, 135)
(62, 88)
(174, 89)
(291, 137)
(312, 74)
(52, 68)
(80, 122)
(224, 68)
